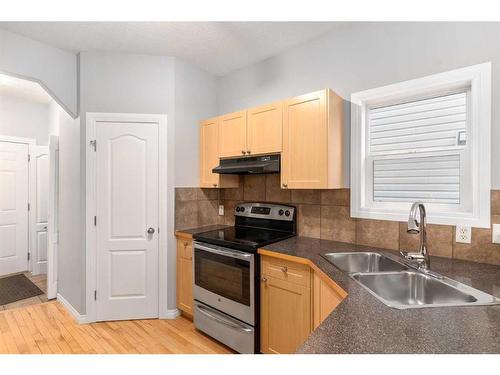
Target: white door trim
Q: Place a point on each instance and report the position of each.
(90, 206)
(53, 234)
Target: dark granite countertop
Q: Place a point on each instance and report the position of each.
(363, 324)
(205, 228)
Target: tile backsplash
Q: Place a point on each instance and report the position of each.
(325, 214)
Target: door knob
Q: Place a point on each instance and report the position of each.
(151, 230)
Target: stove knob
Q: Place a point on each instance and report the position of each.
(238, 209)
(287, 213)
(242, 209)
(281, 212)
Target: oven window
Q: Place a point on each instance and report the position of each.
(228, 277)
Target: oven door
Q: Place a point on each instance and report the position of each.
(224, 279)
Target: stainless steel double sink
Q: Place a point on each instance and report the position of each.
(399, 285)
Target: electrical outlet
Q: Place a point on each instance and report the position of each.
(463, 234)
(496, 233)
(221, 210)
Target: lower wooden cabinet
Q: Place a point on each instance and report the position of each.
(285, 315)
(295, 299)
(185, 275)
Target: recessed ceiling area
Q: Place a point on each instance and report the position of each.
(217, 47)
(21, 88)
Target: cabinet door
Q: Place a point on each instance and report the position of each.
(209, 153)
(325, 300)
(265, 124)
(285, 315)
(305, 142)
(185, 276)
(233, 134)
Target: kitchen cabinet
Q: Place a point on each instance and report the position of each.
(209, 157)
(264, 129)
(312, 156)
(185, 274)
(233, 134)
(295, 298)
(325, 299)
(286, 316)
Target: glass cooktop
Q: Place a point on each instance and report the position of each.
(243, 238)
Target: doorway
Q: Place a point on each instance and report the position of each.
(25, 188)
(125, 210)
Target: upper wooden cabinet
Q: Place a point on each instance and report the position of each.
(233, 134)
(264, 129)
(312, 156)
(209, 157)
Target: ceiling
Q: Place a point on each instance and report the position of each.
(217, 47)
(21, 88)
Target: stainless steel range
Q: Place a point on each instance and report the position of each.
(227, 273)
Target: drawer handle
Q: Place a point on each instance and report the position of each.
(284, 269)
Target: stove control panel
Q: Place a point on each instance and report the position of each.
(265, 211)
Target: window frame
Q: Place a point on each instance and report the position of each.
(476, 211)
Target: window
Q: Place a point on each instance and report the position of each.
(428, 140)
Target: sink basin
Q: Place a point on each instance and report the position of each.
(412, 289)
(364, 262)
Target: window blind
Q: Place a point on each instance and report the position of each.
(430, 125)
(421, 124)
(431, 179)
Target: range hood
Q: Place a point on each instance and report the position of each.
(252, 165)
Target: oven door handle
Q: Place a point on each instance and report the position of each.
(228, 253)
(205, 311)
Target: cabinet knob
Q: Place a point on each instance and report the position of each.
(215, 185)
(284, 269)
(185, 244)
(248, 152)
(285, 185)
(264, 280)
(243, 152)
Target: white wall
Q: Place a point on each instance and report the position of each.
(367, 55)
(24, 118)
(55, 69)
(195, 99)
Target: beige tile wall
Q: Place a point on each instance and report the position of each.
(325, 214)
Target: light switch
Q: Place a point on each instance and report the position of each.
(496, 233)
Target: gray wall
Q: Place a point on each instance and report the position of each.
(71, 260)
(367, 55)
(54, 68)
(195, 99)
(24, 118)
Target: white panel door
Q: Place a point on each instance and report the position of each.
(127, 208)
(39, 202)
(13, 207)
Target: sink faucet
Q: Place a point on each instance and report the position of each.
(418, 227)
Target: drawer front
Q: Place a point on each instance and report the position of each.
(286, 270)
(185, 249)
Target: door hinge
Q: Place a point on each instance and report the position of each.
(95, 295)
(29, 158)
(29, 256)
(95, 221)
(29, 206)
(93, 144)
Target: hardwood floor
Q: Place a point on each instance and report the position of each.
(40, 281)
(48, 328)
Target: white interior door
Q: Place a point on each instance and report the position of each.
(13, 207)
(39, 202)
(53, 227)
(127, 207)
